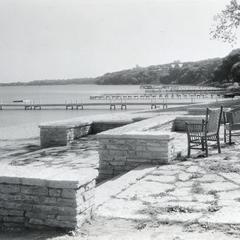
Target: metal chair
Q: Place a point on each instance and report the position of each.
(231, 124)
(208, 130)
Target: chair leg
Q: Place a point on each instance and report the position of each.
(206, 146)
(202, 142)
(230, 137)
(225, 135)
(189, 149)
(189, 152)
(218, 145)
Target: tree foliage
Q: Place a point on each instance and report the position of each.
(226, 23)
(235, 72)
(200, 72)
(226, 71)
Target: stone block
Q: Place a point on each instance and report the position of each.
(10, 180)
(15, 205)
(50, 137)
(47, 200)
(62, 224)
(160, 161)
(66, 218)
(108, 171)
(13, 226)
(68, 202)
(11, 212)
(13, 219)
(50, 210)
(137, 160)
(34, 182)
(196, 111)
(68, 193)
(9, 188)
(118, 163)
(116, 167)
(54, 192)
(34, 190)
(28, 198)
(62, 184)
(9, 197)
(39, 215)
(37, 221)
(141, 148)
(81, 131)
(118, 152)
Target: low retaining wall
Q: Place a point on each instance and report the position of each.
(197, 111)
(45, 203)
(179, 122)
(51, 136)
(101, 126)
(121, 153)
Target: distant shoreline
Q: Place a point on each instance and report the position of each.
(78, 81)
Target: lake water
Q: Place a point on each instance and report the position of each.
(20, 124)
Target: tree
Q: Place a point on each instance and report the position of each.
(225, 72)
(226, 23)
(235, 71)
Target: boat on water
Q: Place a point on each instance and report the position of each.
(22, 101)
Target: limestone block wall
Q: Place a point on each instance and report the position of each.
(101, 126)
(179, 122)
(121, 153)
(37, 203)
(81, 131)
(61, 135)
(51, 136)
(197, 111)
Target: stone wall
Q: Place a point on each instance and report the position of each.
(121, 153)
(51, 136)
(197, 111)
(61, 135)
(101, 126)
(81, 131)
(179, 122)
(39, 203)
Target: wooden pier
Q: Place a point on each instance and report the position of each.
(81, 106)
(158, 95)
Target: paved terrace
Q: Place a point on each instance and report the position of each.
(195, 198)
(181, 192)
(200, 191)
(51, 187)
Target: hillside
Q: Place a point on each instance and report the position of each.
(214, 71)
(199, 72)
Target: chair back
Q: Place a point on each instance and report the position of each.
(233, 116)
(213, 119)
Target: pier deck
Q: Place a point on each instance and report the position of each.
(81, 106)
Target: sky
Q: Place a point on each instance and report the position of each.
(60, 39)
